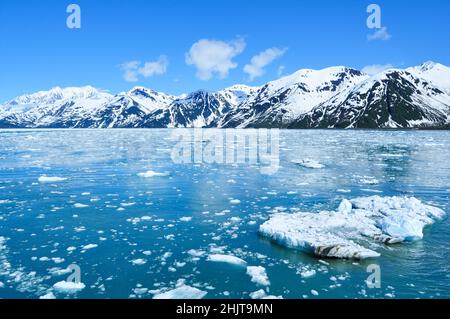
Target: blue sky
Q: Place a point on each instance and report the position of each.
(38, 50)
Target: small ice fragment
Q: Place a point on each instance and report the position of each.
(48, 295)
(50, 179)
(89, 246)
(258, 275)
(227, 259)
(182, 292)
(149, 174)
(68, 287)
(79, 205)
(308, 163)
(139, 262)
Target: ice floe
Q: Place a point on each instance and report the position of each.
(149, 174)
(48, 295)
(182, 292)
(258, 275)
(68, 287)
(261, 294)
(230, 259)
(50, 179)
(89, 246)
(342, 233)
(138, 262)
(308, 163)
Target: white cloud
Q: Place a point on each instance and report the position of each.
(380, 34)
(280, 70)
(376, 68)
(212, 57)
(259, 62)
(133, 69)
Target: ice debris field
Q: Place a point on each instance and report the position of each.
(137, 225)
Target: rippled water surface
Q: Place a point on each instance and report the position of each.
(94, 216)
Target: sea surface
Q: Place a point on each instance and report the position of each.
(137, 222)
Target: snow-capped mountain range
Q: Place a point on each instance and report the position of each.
(335, 97)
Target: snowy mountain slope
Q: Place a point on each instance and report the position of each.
(391, 99)
(57, 107)
(435, 73)
(335, 97)
(279, 102)
(199, 109)
(129, 109)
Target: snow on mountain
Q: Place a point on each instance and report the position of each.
(280, 101)
(333, 97)
(435, 73)
(199, 109)
(391, 99)
(129, 109)
(56, 107)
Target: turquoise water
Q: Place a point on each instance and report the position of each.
(103, 199)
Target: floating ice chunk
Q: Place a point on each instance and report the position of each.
(149, 174)
(261, 294)
(314, 292)
(196, 252)
(345, 207)
(50, 179)
(340, 234)
(227, 259)
(182, 292)
(68, 287)
(369, 180)
(89, 246)
(186, 219)
(400, 217)
(235, 201)
(308, 163)
(258, 275)
(79, 205)
(322, 234)
(139, 262)
(308, 273)
(48, 295)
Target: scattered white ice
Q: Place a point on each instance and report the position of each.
(258, 275)
(68, 287)
(50, 179)
(182, 292)
(227, 259)
(340, 234)
(308, 163)
(149, 174)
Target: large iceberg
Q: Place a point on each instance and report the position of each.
(343, 233)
